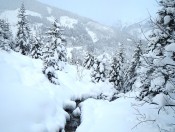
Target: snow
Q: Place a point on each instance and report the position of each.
(39, 103)
(121, 116)
(161, 99)
(98, 26)
(70, 105)
(51, 18)
(170, 10)
(11, 17)
(30, 103)
(49, 10)
(32, 13)
(167, 19)
(92, 35)
(170, 47)
(69, 54)
(128, 39)
(77, 112)
(66, 21)
(27, 99)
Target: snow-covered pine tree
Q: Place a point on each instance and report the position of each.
(116, 75)
(98, 72)
(132, 71)
(158, 72)
(89, 61)
(49, 68)
(77, 55)
(54, 52)
(36, 51)
(23, 33)
(5, 36)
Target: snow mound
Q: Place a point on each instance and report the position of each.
(28, 100)
(30, 103)
(123, 115)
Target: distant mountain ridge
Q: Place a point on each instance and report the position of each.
(80, 31)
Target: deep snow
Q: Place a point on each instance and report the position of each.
(30, 103)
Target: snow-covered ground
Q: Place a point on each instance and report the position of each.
(66, 21)
(124, 115)
(49, 10)
(92, 35)
(30, 103)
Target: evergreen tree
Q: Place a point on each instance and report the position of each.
(36, 51)
(132, 72)
(54, 53)
(158, 71)
(23, 33)
(116, 75)
(89, 61)
(57, 45)
(49, 68)
(98, 71)
(5, 36)
(77, 55)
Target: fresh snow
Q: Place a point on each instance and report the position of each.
(77, 112)
(92, 35)
(99, 26)
(49, 10)
(69, 50)
(122, 115)
(51, 18)
(167, 19)
(66, 21)
(11, 17)
(30, 103)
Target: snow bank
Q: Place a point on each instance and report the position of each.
(122, 115)
(30, 103)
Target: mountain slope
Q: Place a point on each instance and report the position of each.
(80, 31)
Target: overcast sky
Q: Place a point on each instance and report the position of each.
(108, 11)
